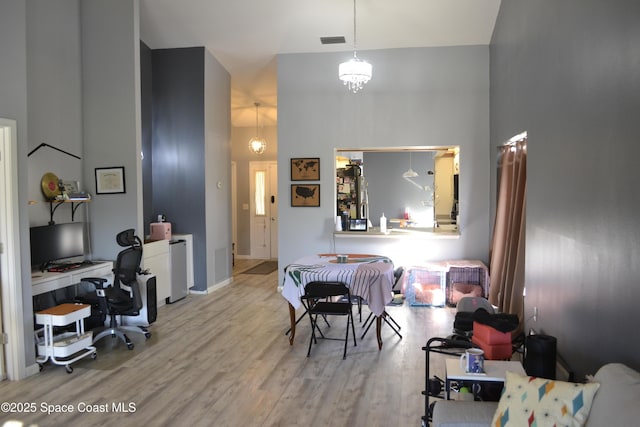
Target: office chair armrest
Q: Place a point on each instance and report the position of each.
(98, 282)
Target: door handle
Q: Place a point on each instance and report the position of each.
(273, 199)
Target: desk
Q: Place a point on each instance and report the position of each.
(367, 276)
(43, 282)
(495, 371)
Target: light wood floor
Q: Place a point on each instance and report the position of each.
(223, 360)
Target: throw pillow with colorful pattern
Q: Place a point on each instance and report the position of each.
(540, 402)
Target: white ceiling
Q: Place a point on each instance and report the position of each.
(246, 35)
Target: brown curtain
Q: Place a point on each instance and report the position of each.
(507, 248)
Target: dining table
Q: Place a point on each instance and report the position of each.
(369, 277)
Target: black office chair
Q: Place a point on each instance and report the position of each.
(397, 274)
(318, 301)
(123, 298)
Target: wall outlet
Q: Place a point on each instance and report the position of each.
(535, 314)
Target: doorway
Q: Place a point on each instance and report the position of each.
(12, 357)
(264, 209)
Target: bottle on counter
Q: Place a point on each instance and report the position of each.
(383, 223)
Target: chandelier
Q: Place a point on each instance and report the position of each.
(355, 72)
(257, 144)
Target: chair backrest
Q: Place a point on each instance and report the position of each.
(326, 289)
(397, 275)
(471, 304)
(127, 265)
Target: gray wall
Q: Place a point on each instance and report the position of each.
(421, 96)
(111, 116)
(567, 72)
(217, 177)
(13, 105)
(54, 101)
(70, 78)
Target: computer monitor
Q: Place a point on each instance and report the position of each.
(51, 243)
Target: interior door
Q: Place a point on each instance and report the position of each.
(264, 220)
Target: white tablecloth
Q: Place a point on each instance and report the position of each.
(367, 276)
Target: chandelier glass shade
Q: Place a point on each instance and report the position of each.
(355, 73)
(257, 144)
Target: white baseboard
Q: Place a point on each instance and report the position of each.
(220, 285)
(212, 288)
(33, 369)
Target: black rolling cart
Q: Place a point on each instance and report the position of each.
(434, 387)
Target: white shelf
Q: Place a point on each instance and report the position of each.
(65, 344)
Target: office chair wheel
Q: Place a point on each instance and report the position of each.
(68, 368)
(130, 345)
(147, 335)
(94, 355)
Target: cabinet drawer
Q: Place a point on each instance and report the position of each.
(51, 284)
(102, 271)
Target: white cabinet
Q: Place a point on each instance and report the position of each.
(155, 258)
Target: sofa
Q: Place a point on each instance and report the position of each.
(615, 400)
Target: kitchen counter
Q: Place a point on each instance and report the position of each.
(402, 233)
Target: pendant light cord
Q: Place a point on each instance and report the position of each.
(257, 104)
(354, 29)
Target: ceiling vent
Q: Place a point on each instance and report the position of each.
(332, 40)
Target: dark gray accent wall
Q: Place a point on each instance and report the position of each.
(146, 111)
(568, 74)
(179, 147)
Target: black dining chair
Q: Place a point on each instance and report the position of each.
(397, 274)
(318, 299)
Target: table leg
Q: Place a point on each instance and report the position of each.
(378, 327)
(292, 316)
